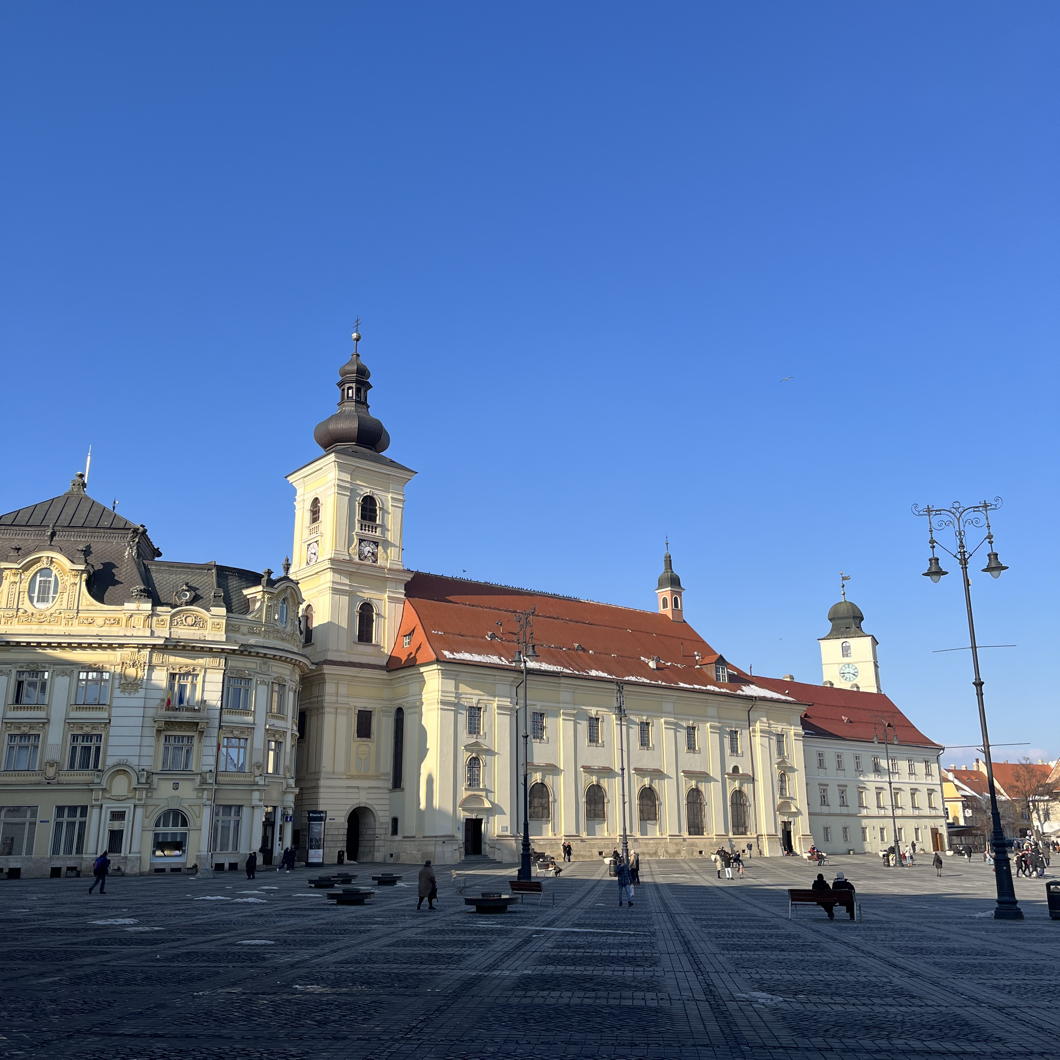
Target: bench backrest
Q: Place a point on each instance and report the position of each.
(843, 897)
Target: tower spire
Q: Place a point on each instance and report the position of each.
(669, 590)
(352, 423)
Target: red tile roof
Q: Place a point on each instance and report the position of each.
(970, 778)
(1021, 778)
(845, 714)
(455, 620)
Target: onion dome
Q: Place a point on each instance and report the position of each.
(352, 423)
(668, 579)
(846, 619)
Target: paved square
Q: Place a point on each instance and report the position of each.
(700, 968)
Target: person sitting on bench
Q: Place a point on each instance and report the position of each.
(841, 883)
(824, 892)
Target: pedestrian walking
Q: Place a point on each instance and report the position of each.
(737, 862)
(634, 868)
(936, 861)
(251, 864)
(100, 868)
(625, 883)
(726, 864)
(824, 894)
(716, 858)
(428, 885)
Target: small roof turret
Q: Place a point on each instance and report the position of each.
(352, 423)
(668, 579)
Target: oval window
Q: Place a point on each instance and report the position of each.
(43, 588)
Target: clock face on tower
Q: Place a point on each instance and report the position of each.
(848, 671)
(368, 551)
(312, 550)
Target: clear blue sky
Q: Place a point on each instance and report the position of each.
(588, 242)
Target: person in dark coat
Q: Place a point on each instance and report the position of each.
(251, 864)
(824, 892)
(100, 868)
(428, 885)
(841, 883)
(625, 883)
(634, 868)
(936, 862)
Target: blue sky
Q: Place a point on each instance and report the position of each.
(589, 244)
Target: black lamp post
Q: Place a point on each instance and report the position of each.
(620, 710)
(524, 653)
(887, 728)
(959, 520)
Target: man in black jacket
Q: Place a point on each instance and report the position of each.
(841, 883)
(824, 895)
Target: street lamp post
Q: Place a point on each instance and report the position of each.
(960, 519)
(620, 710)
(524, 653)
(886, 728)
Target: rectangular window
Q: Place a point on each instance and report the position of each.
(238, 692)
(839, 762)
(862, 803)
(93, 687)
(22, 750)
(864, 835)
(914, 800)
(780, 744)
(85, 749)
(31, 686)
(274, 756)
(691, 738)
(595, 738)
(734, 741)
(821, 760)
(68, 831)
(843, 795)
(364, 725)
(226, 823)
(721, 672)
(879, 799)
(183, 691)
(857, 763)
(898, 800)
(877, 766)
(278, 698)
(883, 835)
(931, 800)
(474, 721)
(406, 641)
(822, 790)
(645, 734)
(116, 832)
(393, 826)
(827, 834)
(911, 767)
(916, 834)
(177, 752)
(846, 834)
(894, 766)
(901, 834)
(928, 772)
(18, 826)
(233, 755)
(537, 724)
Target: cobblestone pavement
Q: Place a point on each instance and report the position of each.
(698, 968)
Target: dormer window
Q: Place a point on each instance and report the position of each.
(43, 588)
(721, 672)
(314, 511)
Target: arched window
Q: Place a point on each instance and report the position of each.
(540, 803)
(738, 806)
(677, 603)
(283, 612)
(396, 769)
(369, 510)
(694, 807)
(43, 587)
(307, 625)
(844, 649)
(314, 511)
(665, 603)
(594, 803)
(782, 784)
(170, 838)
(365, 623)
(473, 769)
(648, 805)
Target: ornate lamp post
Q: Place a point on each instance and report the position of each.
(524, 653)
(885, 727)
(959, 520)
(620, 710)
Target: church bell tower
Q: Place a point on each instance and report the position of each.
(848, 653)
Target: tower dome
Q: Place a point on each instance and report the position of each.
(846, 619)
(668, 579)
(352, 423)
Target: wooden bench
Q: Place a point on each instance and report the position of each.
(844, 899)
(521, 887)
(350, 896)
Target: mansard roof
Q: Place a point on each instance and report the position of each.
(469, 622)
(68, 510)
(841, 713)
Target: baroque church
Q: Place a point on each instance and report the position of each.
(180, 714)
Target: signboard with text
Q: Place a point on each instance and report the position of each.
(315, 842)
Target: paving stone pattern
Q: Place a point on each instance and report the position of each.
(698, 968)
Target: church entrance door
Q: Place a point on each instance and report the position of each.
(472, 836)
(785, 837)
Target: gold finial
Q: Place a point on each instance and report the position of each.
(356, 336)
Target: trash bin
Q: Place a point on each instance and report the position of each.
(342, 857)
(1052, 898)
